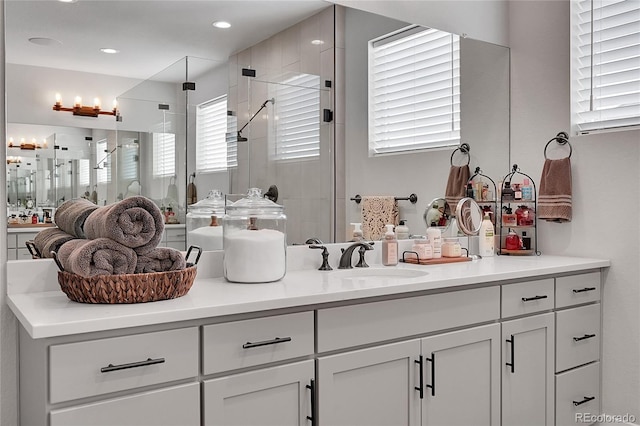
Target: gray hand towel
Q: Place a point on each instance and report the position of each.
(72, 214)
(50, 239)
(134, 222)
(456, 185)
(101, 256)
(160, 259)
(555, 197)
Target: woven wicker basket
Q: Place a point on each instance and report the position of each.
(128, 288)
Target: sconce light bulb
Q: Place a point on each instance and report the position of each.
(115, 103)
(58, 98)
(78, 101)
(96, 103)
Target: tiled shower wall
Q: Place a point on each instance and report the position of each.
(307, 187)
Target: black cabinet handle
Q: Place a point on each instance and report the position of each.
(312, 387)
(433, 374)
(586, 399)
(582, 290)
(144, 363)
(266, 342)
(421, 387)
(586, 336)
(512, 364)
(529, 299)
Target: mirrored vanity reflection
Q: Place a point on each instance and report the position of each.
(153, 150)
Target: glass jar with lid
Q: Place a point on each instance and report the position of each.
(451, 248)
(254, 240)
(204, 222)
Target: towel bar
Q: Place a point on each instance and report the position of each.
(413, 198)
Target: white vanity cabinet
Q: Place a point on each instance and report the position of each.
(503, 352)
(418, 381)
(578, 343)
(16, 248)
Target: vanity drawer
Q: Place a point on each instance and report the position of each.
(527, 297)
(239, 344)
(175, 235)
(107, 365)
(22, 238)
(176, 406)
(348, 326)
(577, 336)
(578, 394)
(577, 289)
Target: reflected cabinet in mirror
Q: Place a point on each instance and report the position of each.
(296, 111)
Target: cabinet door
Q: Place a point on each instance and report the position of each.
(370, 387)
(462, 377)
(276, 396)
(176, 406)
(527, 371)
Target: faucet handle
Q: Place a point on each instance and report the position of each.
(325, 258)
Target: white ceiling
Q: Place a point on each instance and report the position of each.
(151, 35)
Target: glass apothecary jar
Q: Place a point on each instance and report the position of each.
(204, 222)
(254, 240)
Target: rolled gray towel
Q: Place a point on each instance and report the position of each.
(160, 259)
(50, 239)
(134, 222)
(72, 214)
(101, 256)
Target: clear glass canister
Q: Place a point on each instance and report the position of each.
(254, 243)
(204, 222)
(451, 248)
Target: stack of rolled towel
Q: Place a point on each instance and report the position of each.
(121, 238)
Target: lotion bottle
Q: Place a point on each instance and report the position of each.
(402, 231)
(487, 240)
(389, 248)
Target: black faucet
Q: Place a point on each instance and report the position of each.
(325, 258)
(345, 259)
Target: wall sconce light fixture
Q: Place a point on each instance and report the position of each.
(85, 111)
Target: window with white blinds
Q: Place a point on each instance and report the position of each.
(606, 64)
(297, 112)
(83, 172)
(103, 172)
(414, 91)
(212, 147)
(164, 154)
(129, 161)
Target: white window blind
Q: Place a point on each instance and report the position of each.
(164, 154)
(414, 91)
(606, 64)
(211, 136)
(297, 111)
(129, 159)
(103, 172)
(83, 172)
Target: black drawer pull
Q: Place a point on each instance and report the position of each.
(421, 387)
(586, 399)
(512, 364)
(586, 336)
(529, 299)
(266, 342)
(312, 387)
(582, 290)
(144, 363)
(433, 374)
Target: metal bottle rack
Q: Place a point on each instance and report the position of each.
(534, 244)
(492, 202)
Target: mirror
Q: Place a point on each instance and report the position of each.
(315, 192)
(469, 216)
(437, 214)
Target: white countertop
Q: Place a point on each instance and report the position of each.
(50, 313)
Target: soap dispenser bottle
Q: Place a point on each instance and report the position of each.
(389, 248)
(402, 230)
(357, 232)
(487, 237)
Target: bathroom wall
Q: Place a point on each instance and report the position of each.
(606, 180)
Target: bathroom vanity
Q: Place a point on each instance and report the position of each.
(503, 340)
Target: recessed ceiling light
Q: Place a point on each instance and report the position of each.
(45, 41)
(317, 42)
(67, 1)
(221, 24)
(109, 50)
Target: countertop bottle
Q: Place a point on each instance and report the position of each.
(389, 247)
(507, 192)
(451, 248)
(512, 241)
(527, 190)
(487, 237)
(435, 237)
(402, 230)
(421, 249)
(357, 232)
(508, 217)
